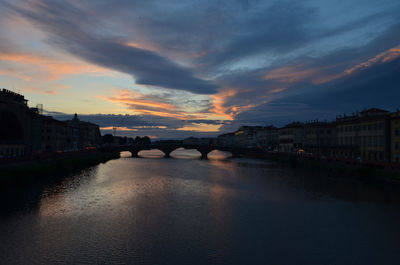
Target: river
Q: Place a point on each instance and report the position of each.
(191, 211)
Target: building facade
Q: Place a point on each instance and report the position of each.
(319, 138)
(54, 135)
(26, 132)
(82, 134)
(291, 137)
(364, 136)
(20, 133)
(267, 138)
(395, 137)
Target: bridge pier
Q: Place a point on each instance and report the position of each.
(204, 151)
(204, 155)
(167, 150)
(134, 152)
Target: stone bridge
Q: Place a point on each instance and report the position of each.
(167, 147)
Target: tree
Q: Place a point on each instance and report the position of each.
(138, 140)
(108, 138)
(142, 140)
(146, 140)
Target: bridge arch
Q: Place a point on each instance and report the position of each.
(151, 153)
(168, 147)
(217, 153)
(184, 153)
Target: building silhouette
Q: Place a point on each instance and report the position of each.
(26, 132)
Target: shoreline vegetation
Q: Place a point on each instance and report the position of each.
(28, 171)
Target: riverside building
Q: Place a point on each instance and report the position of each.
(291, 137)
(395, 137)
(319, 138)
(364, 135)
(25, 131)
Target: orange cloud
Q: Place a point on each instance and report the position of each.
(218, 104)
(143, 104)
(230, 112)
(132, 129)
(53, 69)
(140, 102)
(201, 127)
(141, 45)
(277, 90)
(15, 73)
(301, 72)
(124, 129)
(290, 74)
(383, 57)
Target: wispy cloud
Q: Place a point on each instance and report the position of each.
(67, 26)
(383, 57)
(50, 68)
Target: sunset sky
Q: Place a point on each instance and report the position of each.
(173, 69)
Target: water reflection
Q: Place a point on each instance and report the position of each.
(219, 155)
(180, 211)
(183, 153)
(125, 154)
(154, 153)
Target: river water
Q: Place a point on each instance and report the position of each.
(191, 211)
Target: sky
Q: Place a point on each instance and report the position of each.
(174, 69)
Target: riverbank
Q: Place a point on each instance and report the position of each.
(59, 164)
(342, 168)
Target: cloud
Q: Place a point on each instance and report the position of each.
(201, 127)
(375, 86)
(167, 105)
(275, 28)
(383, 57)
(124, 129)
(202, 64)
(133, 125)
(73, 30)
(51, 69)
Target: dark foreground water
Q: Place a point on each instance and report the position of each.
(181, 211)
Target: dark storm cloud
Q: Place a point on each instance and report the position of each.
(376, 85)
(74, 30)
(277, 28)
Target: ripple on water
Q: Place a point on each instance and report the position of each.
(192, 211)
